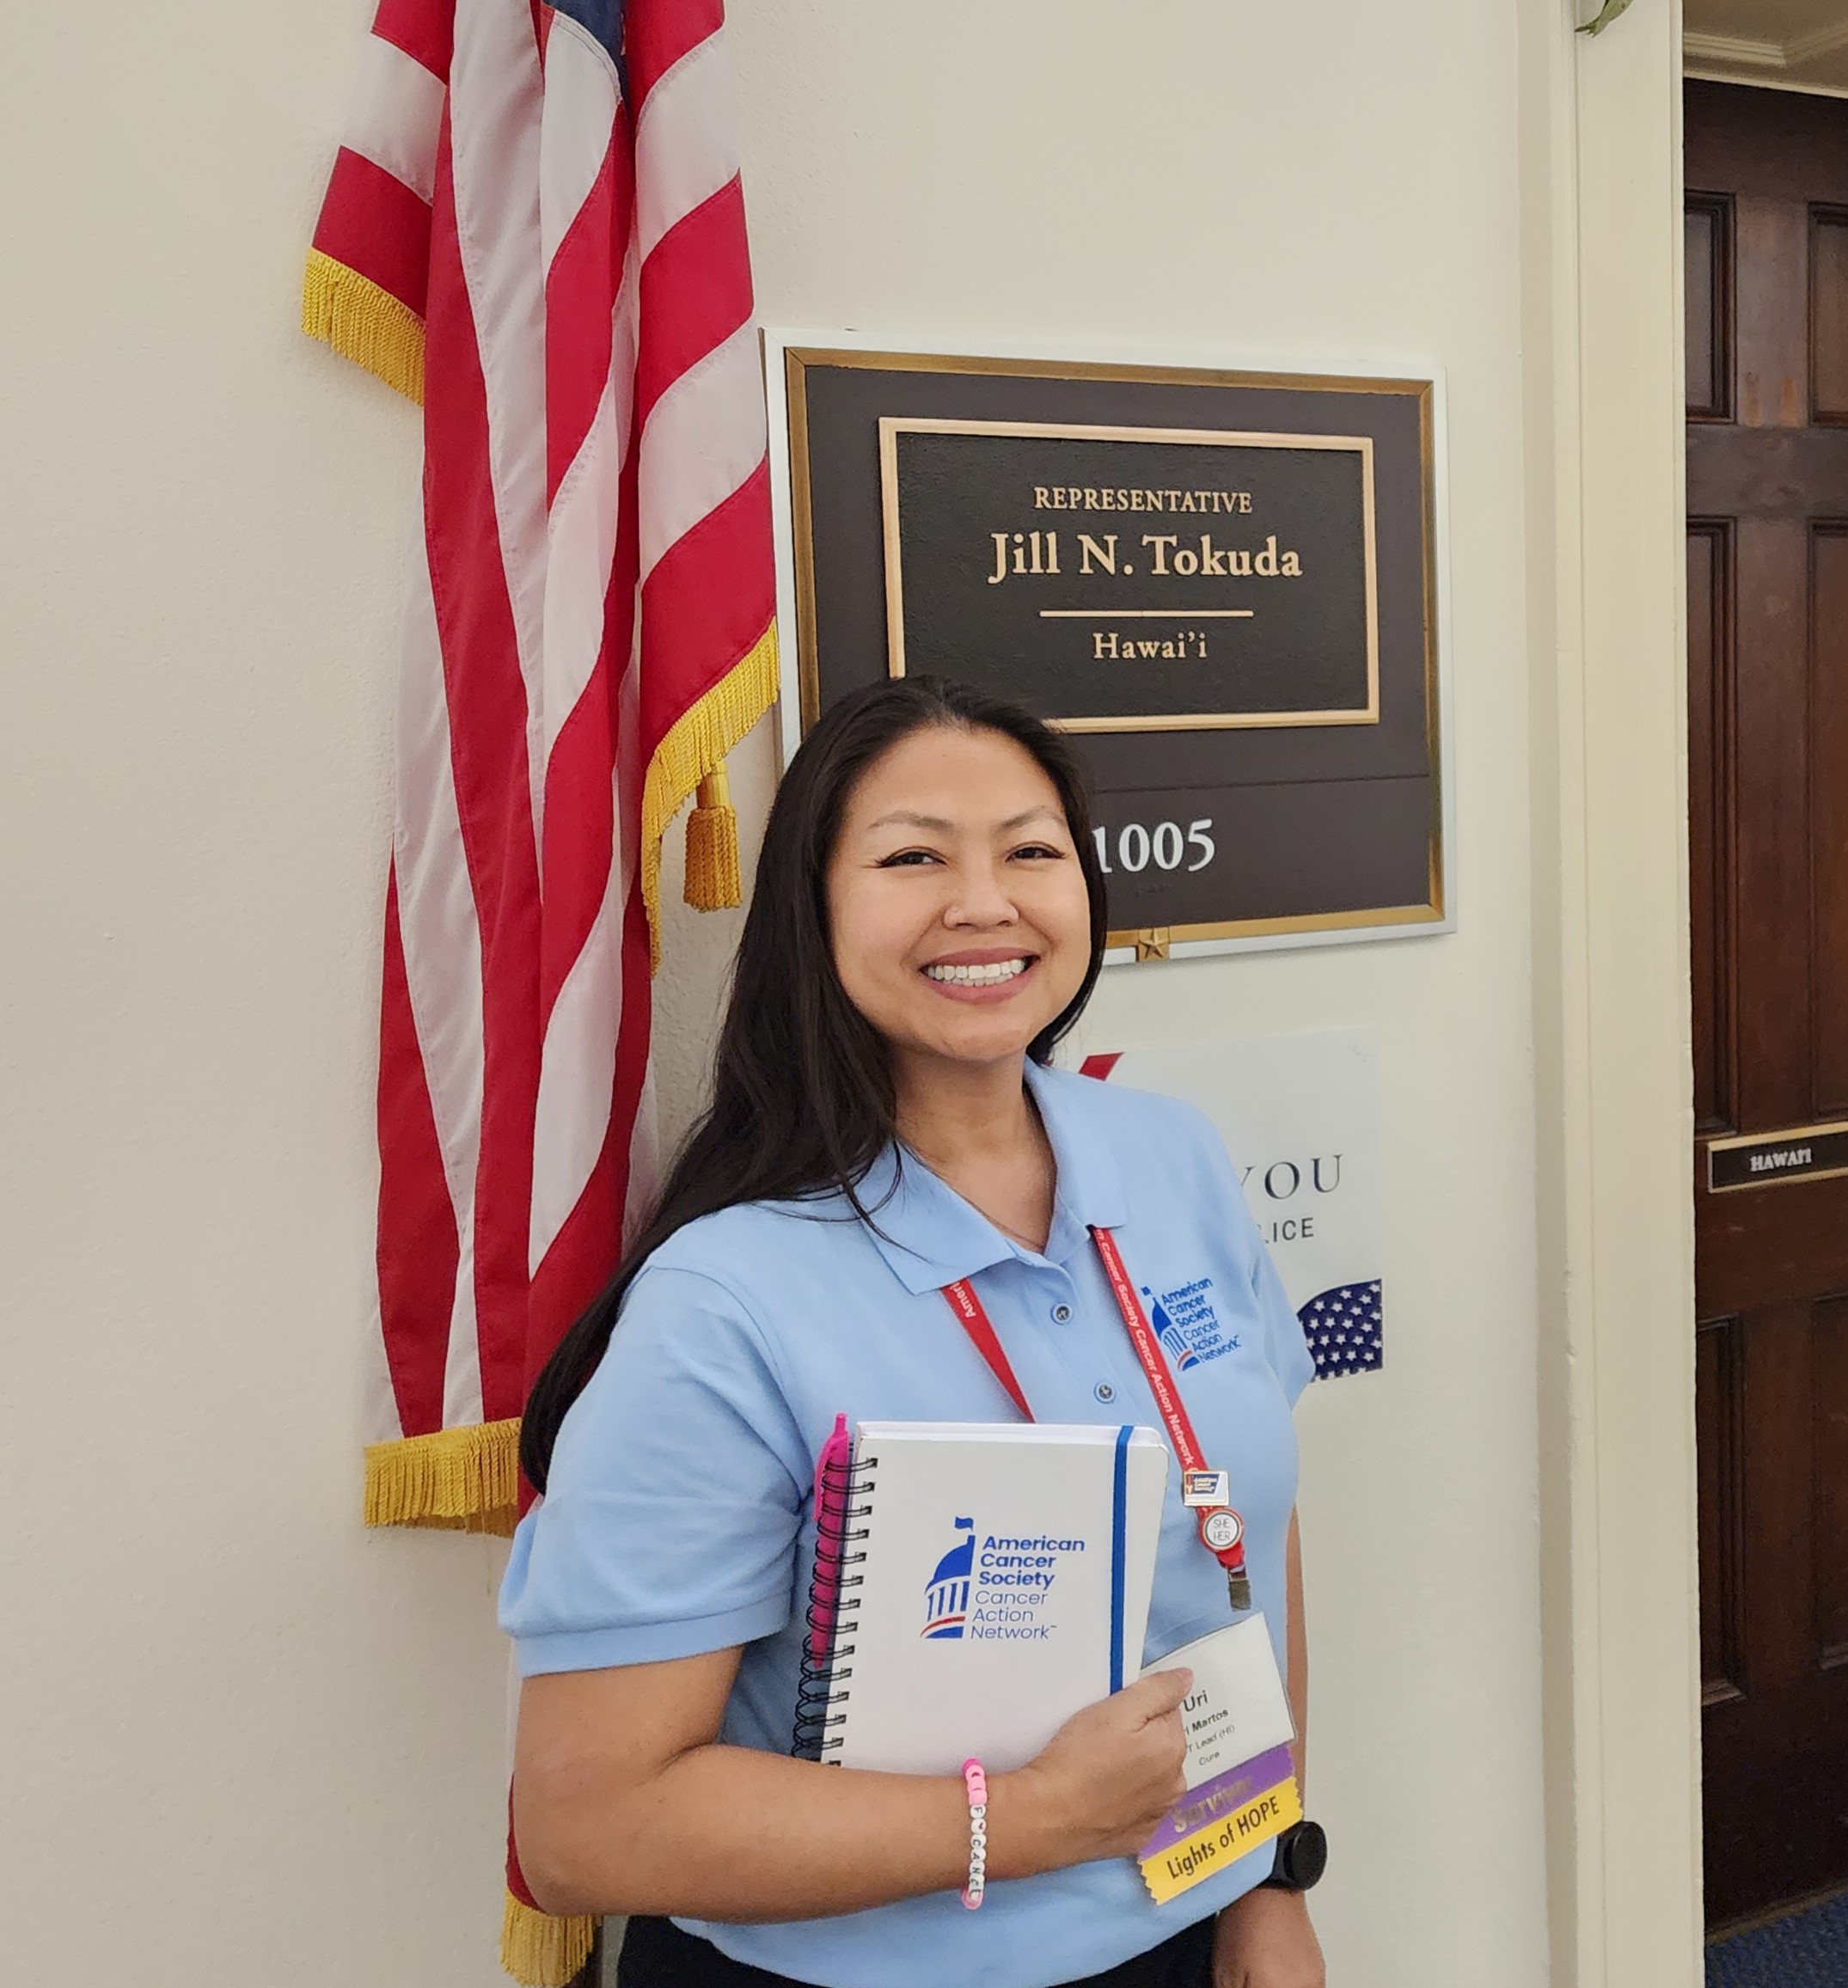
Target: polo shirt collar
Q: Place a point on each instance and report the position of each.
(930, 1236)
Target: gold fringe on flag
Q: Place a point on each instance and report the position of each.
(458, 1480)
(712, 880)
(364, 323)
(540, 1950)
(695, 744)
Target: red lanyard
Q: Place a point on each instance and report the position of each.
(1222, 1530)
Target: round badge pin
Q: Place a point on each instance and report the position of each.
(1221, 1529)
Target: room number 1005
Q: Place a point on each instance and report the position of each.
(1164, 846)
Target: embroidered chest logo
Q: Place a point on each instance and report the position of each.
(1188, 1328)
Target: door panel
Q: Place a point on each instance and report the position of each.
(1767, 454)
(1719, 1393)
(1830, 1424)
(1707, 252)
(1828, 801)
(1709, 751)
(1829, 313)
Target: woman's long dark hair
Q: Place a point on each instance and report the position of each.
(802, 1086)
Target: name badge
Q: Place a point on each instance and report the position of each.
(1200, 1487)
(1241, 1780)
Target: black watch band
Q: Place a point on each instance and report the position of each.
(1302, 1856)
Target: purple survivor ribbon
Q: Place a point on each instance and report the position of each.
(1223, 1796)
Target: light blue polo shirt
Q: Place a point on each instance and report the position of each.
(679, 1516)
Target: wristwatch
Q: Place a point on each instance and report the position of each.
(1302, 1856)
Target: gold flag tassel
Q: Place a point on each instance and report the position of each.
(713, 881)
(541, 1951)
(461, 1480)
(364, 323)
(695, 746)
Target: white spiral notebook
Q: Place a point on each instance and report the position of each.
(977, 1584)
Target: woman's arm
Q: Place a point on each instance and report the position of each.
(624, 1801)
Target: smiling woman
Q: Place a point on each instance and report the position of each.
(961, 914)
(927, 921)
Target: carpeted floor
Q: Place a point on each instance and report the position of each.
(1809, 1949)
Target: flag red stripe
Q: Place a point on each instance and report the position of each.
(418, 1251)
(423, 29)
(487, 706)
(709, 597)
(580, 286)
(695, 292)
(655, 37)
(579, 825)
(580, 774)
(372, 223)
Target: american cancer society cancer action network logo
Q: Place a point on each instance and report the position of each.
(1188, 1328)
(996, 1590)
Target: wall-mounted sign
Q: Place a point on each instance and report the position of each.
(1765, 1158)
(1015, 559)
(1223, 583)
(1300, 1117)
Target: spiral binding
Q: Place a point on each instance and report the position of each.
(841, 1508)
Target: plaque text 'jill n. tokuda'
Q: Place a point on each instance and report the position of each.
(1135, 579)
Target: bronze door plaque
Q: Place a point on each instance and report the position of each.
(1223, 583)
(1766, 1159)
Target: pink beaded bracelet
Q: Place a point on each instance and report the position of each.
(977, 1784)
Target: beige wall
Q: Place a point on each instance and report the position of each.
(240, 1734)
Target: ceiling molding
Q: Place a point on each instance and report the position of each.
(1809, 47)
(1742, 79)
(1739, 51)
(1732, 51)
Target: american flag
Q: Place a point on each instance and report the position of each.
(535, 226)
(1343, 1329)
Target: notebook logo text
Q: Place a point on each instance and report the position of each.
(994, 1586)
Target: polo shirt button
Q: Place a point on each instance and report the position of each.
(1061, 1313)
(1105, 1392)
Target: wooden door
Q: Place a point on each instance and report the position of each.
(1768, 579)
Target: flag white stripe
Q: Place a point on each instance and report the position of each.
(437, 925)
(379, 1414)
(398, 115)
(494, 143)
(644, 1162)
(582, 536)
(686, 140)
(577, 1072)
(582, 100)
(462, 1370)
(578, 1061)
(703, 439)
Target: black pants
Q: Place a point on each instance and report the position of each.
(656, 1954)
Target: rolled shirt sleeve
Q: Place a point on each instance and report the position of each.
(670, 1519)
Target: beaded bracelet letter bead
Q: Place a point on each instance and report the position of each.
(977, 1784)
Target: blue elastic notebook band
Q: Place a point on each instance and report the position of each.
(1118, 1527)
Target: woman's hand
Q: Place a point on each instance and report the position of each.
(1098, 1787)
(1264, 1940)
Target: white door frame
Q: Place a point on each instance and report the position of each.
(1602, 245)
